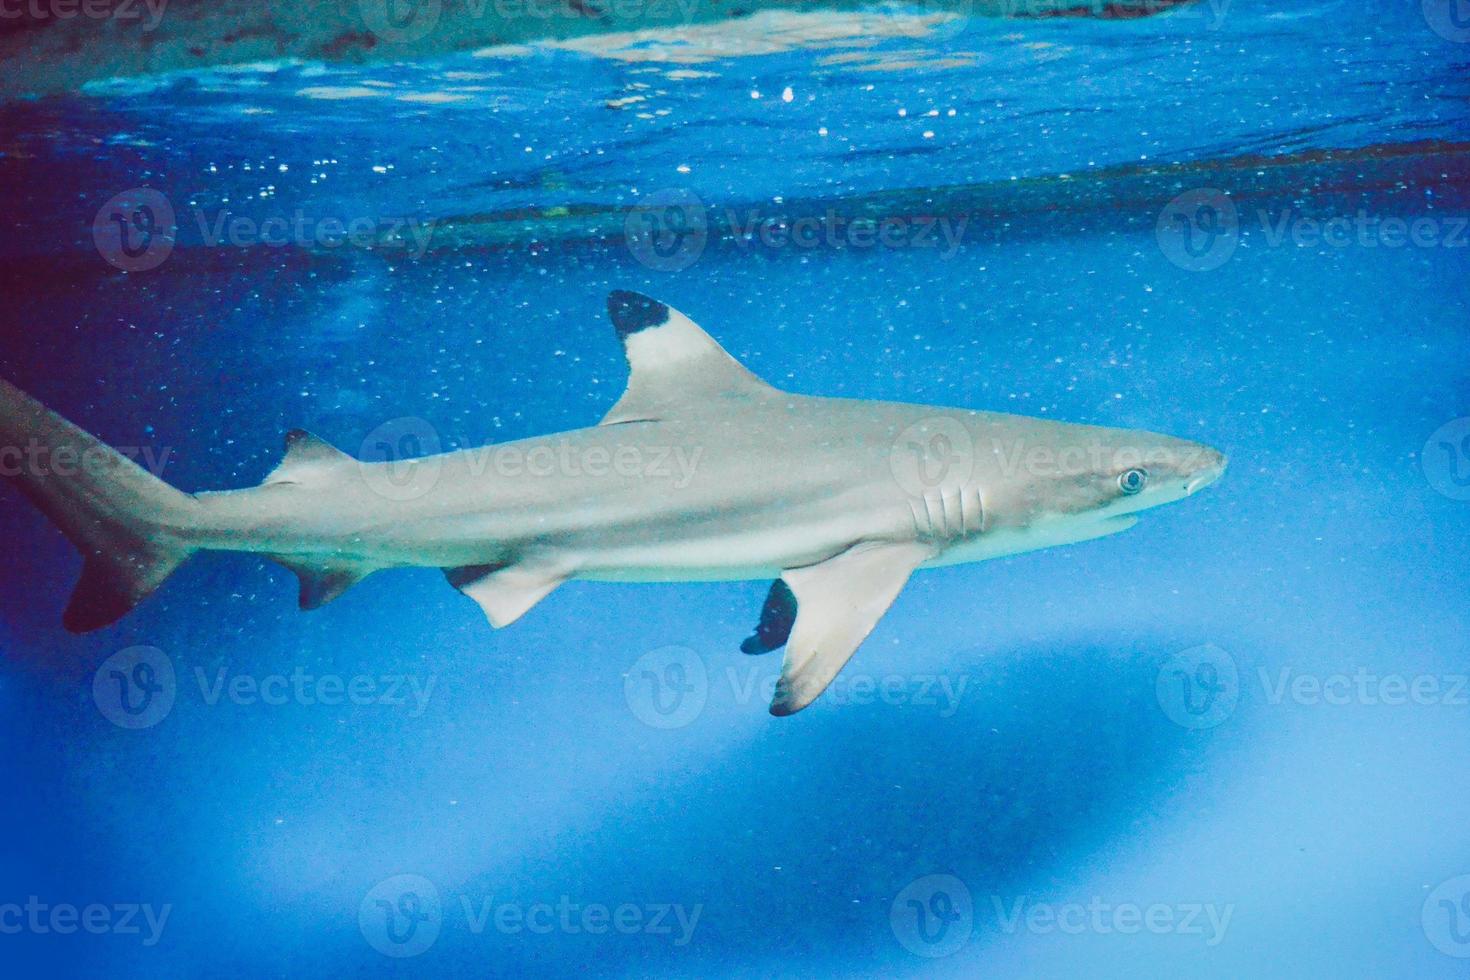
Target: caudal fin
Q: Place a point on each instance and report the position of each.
(130, 526)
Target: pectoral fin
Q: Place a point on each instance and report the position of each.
(505, 593)
(839, 601)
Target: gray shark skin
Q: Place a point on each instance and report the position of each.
(700, 472)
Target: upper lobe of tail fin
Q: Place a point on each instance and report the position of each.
(131, 528)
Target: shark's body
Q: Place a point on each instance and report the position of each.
(700, 472)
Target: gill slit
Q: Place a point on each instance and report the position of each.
(948, 515)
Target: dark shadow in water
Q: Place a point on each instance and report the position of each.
(797, 845)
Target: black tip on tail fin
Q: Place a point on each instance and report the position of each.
(131, 527)
(111, 585)
(98, 600)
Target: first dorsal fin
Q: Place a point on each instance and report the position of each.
(671, 361)
(306, 456)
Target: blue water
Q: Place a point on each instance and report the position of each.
(1264, 829)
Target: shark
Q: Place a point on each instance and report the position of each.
(701, 471)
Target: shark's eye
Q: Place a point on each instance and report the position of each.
(1132, 481)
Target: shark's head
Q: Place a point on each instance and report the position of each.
(1147, 470)
(1086, 475)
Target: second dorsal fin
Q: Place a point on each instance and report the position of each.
(306, 456)
(671, 361)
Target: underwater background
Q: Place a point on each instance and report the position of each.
(1230, 742)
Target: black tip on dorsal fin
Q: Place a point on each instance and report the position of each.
(632, 312)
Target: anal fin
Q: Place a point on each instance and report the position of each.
(321, 582)
(506, 592)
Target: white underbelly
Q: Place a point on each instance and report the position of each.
(1003, 541)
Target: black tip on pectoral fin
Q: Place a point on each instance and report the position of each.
(777, 617)
(631, 312)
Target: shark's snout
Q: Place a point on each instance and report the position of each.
(1211, 466)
